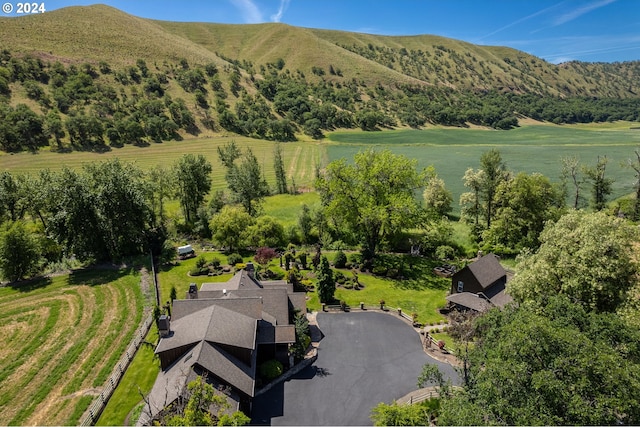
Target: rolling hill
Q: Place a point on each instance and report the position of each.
(275, 81)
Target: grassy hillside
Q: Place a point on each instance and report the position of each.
(94, 78)
(101, 32)
(96, 33)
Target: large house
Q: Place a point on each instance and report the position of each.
(480, 285)
(224, 331)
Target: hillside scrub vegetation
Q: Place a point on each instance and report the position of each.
(98, 107)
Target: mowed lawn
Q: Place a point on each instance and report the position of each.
(300, 158)
(61, 339)
(530, 148)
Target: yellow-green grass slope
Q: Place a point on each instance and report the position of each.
(61, 338)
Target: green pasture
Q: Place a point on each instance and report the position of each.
(531, 148)
(139, 378)
(300, 158)
(287, 207)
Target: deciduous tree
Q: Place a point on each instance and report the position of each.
(229, 227)
(19, 251)
(193, 183)
(374, 198)
(586, 256)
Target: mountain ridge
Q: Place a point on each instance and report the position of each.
(100, 32)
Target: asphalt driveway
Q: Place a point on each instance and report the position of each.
(364, 359)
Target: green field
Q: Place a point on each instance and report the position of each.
(61, 338)
(300, 158)
(531, 148)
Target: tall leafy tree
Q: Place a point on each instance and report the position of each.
(19, 251)
(123, 213)
(160, 186)
(11, 192)
(229, 227)
(374, 198)
(278, 166)
(436, 196)
(495, 172)
(193, 183)
(74, 220)
(326, 281)
(522, 207)
(635, 165)
(586, 256)
(245, 179)
(471, 206)
(558, 364)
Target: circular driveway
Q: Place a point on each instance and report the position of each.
(363, 359)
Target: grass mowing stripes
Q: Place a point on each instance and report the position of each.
(63, 364)
(71, 317)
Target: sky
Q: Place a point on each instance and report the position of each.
(557, 31)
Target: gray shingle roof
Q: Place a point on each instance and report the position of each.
(469, 300)
(487, 270)
(213, 323)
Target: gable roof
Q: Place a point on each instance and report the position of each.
(487, 270)
(213, 323)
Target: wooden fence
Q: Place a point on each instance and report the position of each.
(97, 406)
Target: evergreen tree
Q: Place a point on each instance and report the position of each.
(326, 282)
(278, 165)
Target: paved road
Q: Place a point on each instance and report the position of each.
(364, 359)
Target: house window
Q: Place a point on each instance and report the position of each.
(460, 285)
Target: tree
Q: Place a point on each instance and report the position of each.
(305, 223)
(586, 256)
(161, 182)
(523, 206)
(471, 207)
(229, 227)
(193, 183)
(266, 231)
(245, 180)
(74, 220)
(204, 407)
(436, 197)
(571, 172)
(19, 251)
(264, 255)
(374, 198)
(122, 210)
(326, 282)
(601, 186)
(635, 165)
(278, 166)
(494, 172)
(557, 364)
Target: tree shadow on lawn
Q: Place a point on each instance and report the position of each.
(411, 272)
(432, 283)
(97, 276)
(31, 284)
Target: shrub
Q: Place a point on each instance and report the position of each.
(445, 252)
(355, 258)
(271, 369)
(215, 262)
(340, 260)
(201, 261)
(339, 277)
(234, 259)
(379, 270)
